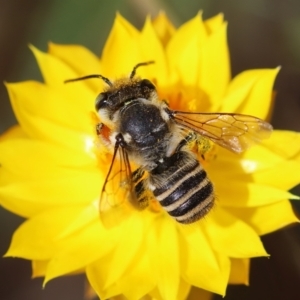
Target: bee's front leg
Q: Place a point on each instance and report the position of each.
(103, 132)
(99, 128)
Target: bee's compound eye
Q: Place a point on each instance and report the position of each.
(101, 101)
(145, 83)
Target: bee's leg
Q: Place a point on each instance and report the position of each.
(165, 102)
(140, 190)
(99, 128)
(137, 174)
(141, 193)
(198, 143)
(188, 139)
(103, 132)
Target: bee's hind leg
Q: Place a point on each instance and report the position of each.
(191, 137)
(196, 143)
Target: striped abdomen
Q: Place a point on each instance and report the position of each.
(181, 186)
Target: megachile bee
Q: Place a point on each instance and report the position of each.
(144, 130)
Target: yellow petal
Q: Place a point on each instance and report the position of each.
(259, 164)
(87, 215)
(39, 268)
(260, 158)
(214, 23)
(79, 54)
(284, 143)
(127, 248)
(162, 242)
(214, 68)
(239, 271)
(25, 197)
(246, 91)
(248, 194)
(53, 172)
(121, 51)
(96, 274)
(55, 72)
(155, 295)
(163, 28)
(184, 290)
(16, 156)
(30, 242)
(35, 125)
(236, 238)
(81, 249)
(183, 293)
(267, 218)
(51, 104)
(24, 180)
(216, 265)
(199, 294)
(289, 175)
(155, 52)
(140, 277)
(14, 132)
(186, 60)
(254, 160)
(68, 252)
(104, 274)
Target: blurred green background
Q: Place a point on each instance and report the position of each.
(261, 34)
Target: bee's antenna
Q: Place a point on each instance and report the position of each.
(106, 80)
(139, 65)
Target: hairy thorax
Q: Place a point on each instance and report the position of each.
(146, 133)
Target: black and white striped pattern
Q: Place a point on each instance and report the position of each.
(184, 189)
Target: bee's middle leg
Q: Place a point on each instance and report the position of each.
(140, 190)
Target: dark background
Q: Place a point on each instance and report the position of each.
(261, 33)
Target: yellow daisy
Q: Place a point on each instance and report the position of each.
(52, 171)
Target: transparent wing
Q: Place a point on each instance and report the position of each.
(235, 132)
(117, 189)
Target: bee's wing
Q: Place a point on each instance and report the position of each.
(117, 189)
(235, 132)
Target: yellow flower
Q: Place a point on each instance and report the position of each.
(52, 171)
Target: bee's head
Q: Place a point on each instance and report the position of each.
(122, 92)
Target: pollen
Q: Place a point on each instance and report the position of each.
(154, 206)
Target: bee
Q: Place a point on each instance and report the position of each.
(144, 131)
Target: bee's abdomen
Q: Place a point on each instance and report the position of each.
(187, 193)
